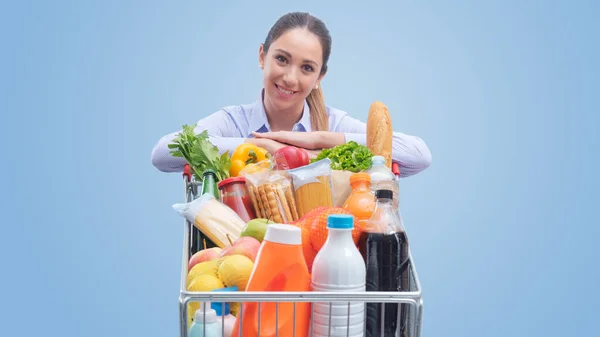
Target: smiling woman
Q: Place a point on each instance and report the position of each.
(291, 109)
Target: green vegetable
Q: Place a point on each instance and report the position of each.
(200, 153)
(347, 157)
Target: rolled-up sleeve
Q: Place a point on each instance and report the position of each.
(222, 132)
(410, 152)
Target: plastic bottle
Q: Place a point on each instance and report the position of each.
(224, 317)
(384, 247)
(361, 202)
(339, 266)
(205, 323)
(279, 266)
(383, 178)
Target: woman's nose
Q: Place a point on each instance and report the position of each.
(290, 78)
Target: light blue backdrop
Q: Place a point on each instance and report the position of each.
(503, 225)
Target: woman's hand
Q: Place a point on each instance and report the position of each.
(312, 154)
(307, 140)
(268, 144)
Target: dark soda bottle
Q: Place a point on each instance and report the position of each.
(384, 247)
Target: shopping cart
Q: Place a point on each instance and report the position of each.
(194, 240)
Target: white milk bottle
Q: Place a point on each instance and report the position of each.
(339, 266)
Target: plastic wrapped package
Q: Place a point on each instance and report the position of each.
(271, 193)
(312, 186)
(213, 218)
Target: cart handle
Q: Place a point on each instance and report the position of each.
(396, 169)
(187, 172)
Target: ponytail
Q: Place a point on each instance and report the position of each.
(319, 119)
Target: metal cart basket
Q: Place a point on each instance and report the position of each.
(411, 301)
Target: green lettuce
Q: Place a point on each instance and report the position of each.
(347, 157)
(200, 153)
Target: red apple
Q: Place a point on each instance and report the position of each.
(204, 255)
(246, 245)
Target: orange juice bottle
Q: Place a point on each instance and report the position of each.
(279, 266)
(361, 202)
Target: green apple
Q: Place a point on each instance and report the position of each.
(256, 228)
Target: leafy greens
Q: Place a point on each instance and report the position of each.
(347, 157)
(200, 153)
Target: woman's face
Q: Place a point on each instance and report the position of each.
(292, 68)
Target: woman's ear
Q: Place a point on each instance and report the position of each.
(261, 56)
(320, 78)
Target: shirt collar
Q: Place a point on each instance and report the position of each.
(258, 118)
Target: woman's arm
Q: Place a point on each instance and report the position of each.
(222, 133)
(410, 152)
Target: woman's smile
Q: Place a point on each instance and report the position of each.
(284, 93)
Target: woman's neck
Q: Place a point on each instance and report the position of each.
(282, 120)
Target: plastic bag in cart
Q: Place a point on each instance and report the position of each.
(213, 218)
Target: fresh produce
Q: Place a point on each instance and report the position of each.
(246, 246)
(235, 271)
(202, 283)
(314, 230)
(351, 157)
(203, 268)
(204, 255)
(290, 157)
(246, 154)
(319, 232)
(200, 153)
(256, 228)
(380, 132)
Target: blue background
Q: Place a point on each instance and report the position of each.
(505, 93)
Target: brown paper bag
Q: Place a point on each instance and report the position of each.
(340, 181)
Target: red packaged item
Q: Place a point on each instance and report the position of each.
(234, 194)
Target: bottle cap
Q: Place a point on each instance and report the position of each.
(378, 160)
(384, 194)
(340, 221)
(209, 171)
(285, 234)
(230, 181)
(207, 317)
(220, 309)
(360, 177)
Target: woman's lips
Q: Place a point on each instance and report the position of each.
(284, 93)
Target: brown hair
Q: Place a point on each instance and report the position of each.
(316, 102)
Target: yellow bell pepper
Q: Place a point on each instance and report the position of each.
(246, 154)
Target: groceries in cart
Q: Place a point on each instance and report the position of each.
(285, 223)
(213, 218)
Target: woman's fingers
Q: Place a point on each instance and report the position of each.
(312, 154)
(279, 136)
(304, 140)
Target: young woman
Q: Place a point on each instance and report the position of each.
(291, 109)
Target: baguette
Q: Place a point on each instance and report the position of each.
(380, 132)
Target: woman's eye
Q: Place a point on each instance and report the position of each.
(308, 68)
(280, 58)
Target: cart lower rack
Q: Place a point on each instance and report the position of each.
(410, 302)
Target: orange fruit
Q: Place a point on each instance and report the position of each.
(318, 233)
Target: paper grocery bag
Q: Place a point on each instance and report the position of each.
(340, 181)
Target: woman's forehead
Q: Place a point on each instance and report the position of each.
(300, 44)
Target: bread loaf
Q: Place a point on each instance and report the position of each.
(379, 132)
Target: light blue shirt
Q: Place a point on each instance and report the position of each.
(231, 125)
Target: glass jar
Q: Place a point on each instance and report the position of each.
(234, 194)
